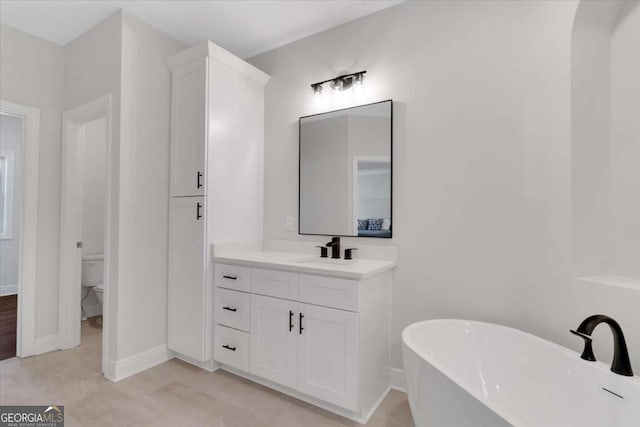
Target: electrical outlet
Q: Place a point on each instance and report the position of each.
(288, 223)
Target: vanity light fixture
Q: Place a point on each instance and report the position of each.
(342, 82)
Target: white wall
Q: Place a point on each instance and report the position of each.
(11, 142)
(625, 144)
(32, 73)
(374, 191)
(481, 151)
(591, 117)
(94, 174)
(144, 190)
(606, 170)
(92, 70)
(126, 57)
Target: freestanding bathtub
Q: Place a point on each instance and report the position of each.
(471, 374)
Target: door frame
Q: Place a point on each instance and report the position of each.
(26, 333)
(69, 316)
(354, 184)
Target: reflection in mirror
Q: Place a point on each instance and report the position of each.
(346, 172)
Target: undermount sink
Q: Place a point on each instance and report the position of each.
(319, 260)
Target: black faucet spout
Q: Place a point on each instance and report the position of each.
(621, 364)
(334, 244)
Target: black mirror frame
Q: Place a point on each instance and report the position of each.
(390, 101)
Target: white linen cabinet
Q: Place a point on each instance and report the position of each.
(216, 173)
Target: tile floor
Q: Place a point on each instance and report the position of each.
(171, 394)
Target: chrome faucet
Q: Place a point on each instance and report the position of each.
(334, 244)
(620, 364)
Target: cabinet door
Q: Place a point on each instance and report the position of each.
(187, 285)
(328, 355)
(188, 129)
(274, 339)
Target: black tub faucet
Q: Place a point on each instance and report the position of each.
(334, 244)
(620, 364)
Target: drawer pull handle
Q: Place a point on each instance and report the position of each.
(290, 320)
(301, 328)
(230, 309)
(198, 184)
(224, 276)
(228, 347)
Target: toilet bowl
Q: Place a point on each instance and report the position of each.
(92, 279)
(99, 291)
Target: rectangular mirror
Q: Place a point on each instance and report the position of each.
(346, 172)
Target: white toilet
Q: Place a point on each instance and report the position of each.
(99, 291)
(92, 280)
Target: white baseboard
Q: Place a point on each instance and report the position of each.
(45, 344)
(375, 406)
(116, 370)
(398, 380)
(354, 416)
(209, 365)
(8, 290)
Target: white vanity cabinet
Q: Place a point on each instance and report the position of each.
(322, 339)
(274, 340)
(307, 347)
(216, 162)
(328, 355)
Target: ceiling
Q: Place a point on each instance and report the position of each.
(244, 27)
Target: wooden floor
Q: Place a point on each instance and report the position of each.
(173, 394)
(8, 326)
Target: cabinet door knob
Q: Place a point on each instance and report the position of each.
(290, 320)
(230, 309)
(199, 185)
(301, 328)
(198, 215)
(228, 347)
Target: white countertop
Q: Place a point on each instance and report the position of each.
(304, 263)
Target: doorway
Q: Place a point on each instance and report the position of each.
(85, 223)
(11, 129)
(19, 154)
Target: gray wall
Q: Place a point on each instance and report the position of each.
(481, 152)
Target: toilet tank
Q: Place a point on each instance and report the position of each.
(92, 269)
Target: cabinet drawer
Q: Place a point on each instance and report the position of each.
(329, 292)
(273, 283)
(231, 347)
(233, 309)
(233, 277)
